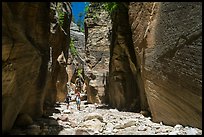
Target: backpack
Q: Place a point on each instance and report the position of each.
(68, 98)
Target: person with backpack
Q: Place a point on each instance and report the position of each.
(78, 84)
(68, 99)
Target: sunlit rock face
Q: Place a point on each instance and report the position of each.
(78, 38)
(97, 34)
(27, 79)
(167, 38)
(78, 60)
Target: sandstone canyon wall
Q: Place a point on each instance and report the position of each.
(59, 40)
(154, 49)
(97, 35)
(26, 42)
(169, 41)
(156, 60)
(78, 39)
(126, 90)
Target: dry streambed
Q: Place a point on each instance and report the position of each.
(99, 120)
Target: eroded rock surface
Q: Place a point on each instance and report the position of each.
(26, 76)
(59, 40)
(155, 65)
(167, 37)
(156, 61)
(78, 60)
(97, 28)
(25, 53)
(125, 90)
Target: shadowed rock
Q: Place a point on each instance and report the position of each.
(26, 75)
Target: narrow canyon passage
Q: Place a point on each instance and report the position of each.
(140, 66)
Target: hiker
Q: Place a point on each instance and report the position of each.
(68, 99)
(78, 84)
(78, 100)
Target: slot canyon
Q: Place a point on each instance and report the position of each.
(140, 65)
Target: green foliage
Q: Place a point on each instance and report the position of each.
(80, 22)
(80, 15)
(94, 16)
(73, 18)
(73, 49)
(61, 19)
(110, 6)
(82, 29)
(61, 14)
(79, 71)
(86, 9)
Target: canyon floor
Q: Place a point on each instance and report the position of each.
(94, 119)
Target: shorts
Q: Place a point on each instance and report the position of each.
(78, 101)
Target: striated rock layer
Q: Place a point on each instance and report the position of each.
(26, 42)
(97, 35)
(172, 60)
(156, 61)
(25, 54)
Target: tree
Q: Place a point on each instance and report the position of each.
(73, 19)
(86, 7)
(80, 23)
(110, 6)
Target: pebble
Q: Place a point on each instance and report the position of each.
(142, 128)
(191, 131)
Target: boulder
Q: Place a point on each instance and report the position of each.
(94, 125)
(81, 131)
(93, 116)
(23, 120)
